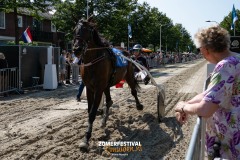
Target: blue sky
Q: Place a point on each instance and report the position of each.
(192, 14)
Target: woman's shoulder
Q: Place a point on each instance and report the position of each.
(231, 62)
(233, 59)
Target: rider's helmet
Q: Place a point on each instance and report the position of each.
(137, 47)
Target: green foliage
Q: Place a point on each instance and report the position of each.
(36, 5)
(113, 17)
(227, 22)
(22, 43)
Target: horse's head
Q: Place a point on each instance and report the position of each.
(83, 34)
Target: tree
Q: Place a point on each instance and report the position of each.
(227, 22)
(113, 17)
(35, 7)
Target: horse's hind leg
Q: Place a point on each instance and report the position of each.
(109, 103)
(132, 82)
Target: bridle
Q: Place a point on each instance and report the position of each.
(84, 42)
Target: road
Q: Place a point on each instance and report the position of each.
(51, 124)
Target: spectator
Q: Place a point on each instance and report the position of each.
(80, 90)
(81, 86)
(75, 70)
(3, 75)
(220, 102)
(62, 67)
(68, 67)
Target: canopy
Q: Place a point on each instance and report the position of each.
(146, 50)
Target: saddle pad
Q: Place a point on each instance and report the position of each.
(120, 61)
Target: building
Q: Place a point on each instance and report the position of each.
(43, 31)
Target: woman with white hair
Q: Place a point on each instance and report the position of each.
(220, 103)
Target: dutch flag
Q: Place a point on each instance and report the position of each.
(27, 37)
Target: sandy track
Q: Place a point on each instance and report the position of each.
(50, 124)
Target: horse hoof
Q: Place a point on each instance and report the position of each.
(99, 112)
(109, 104)
(140, 107)
(84, 146)
(103, 124)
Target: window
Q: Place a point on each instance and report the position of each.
(53, 27)
(2, 20)
(19, 21)
(37, 25)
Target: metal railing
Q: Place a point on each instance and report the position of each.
(197, 143)
(9, 80)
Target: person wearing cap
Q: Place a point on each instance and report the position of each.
(138, 57)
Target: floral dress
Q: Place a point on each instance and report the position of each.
(224, 125)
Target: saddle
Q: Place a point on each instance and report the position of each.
(120, 61)
(117, 62)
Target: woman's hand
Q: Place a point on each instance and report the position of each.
(181, 116)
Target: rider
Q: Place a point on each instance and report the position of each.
(138, 57)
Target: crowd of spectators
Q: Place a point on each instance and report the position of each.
(155, 58)
(69, 68)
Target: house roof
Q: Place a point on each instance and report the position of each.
(26, 11)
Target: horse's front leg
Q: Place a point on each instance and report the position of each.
(93, 104)
(109, 103)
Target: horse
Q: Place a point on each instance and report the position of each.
(99, 72)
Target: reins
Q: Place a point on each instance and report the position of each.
(90, 49)
(94, 61)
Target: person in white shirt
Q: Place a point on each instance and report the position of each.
(75, 70)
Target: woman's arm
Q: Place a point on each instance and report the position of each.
(203, 108)
(196, 99)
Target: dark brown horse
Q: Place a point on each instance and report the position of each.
(99, 71)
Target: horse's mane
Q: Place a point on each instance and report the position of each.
(99, 39)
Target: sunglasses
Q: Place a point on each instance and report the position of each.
(136, 50)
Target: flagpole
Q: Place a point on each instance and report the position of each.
(234, 19)
(128, 33)
(128, 42)
(234, 29)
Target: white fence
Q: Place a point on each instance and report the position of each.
(9, 80)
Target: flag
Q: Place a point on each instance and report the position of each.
(129, 31)
(27, 36)
(234, 17)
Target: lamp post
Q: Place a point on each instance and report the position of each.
(160, 45)
(213, 21)
(87, 9)
(166, 44)
(161, 36)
